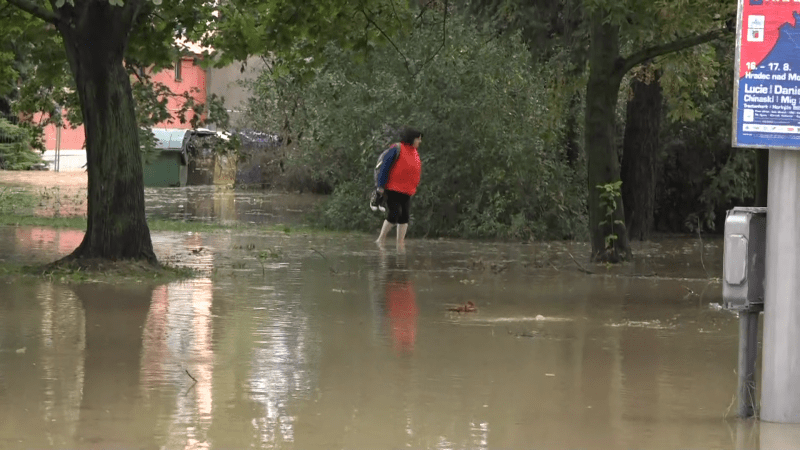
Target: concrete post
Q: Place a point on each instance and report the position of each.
(780, 380)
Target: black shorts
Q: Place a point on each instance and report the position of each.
(398, 205)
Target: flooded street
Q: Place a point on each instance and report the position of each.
(312, 342)
(208, 204)
(323, 341)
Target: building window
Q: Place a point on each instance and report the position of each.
(178, 70)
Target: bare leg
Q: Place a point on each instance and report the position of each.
(401, 234)
(384, 232)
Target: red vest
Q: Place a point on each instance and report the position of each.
(406, 170)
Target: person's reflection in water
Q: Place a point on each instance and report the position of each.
(401, 307)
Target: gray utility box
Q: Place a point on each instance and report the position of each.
(745, 255)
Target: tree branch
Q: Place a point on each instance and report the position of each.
(400, 52)
(444, 37)
(626, 64)
(130, 10)
(37, 10)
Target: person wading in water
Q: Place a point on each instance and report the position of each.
(398, 180)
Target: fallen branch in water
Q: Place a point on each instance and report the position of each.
(330, 266)
(580, 267)
(190, 375)
(193, 384)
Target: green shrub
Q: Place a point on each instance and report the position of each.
(493, 157)
(15, 148)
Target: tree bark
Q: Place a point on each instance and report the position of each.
(95, 38)
(639, 154)
(605, 76)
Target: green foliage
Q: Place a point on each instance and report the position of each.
(552, 30)
(702, 176)
(688, 78)
(266, 255)
(610, 193)
(15, 147)
(296, 33)
(493, 163)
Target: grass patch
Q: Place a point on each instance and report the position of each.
(14, 199)
(14, 220)
(98, 271)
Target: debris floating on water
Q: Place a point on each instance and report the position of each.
(465, 308)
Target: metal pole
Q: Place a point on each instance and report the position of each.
(58, 148)
(748, 350)
(780, 390)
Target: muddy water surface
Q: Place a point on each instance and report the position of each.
(209, 204)
(323, 342)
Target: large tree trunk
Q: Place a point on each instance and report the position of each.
(639, 154)
(95, 38)
(605, 76)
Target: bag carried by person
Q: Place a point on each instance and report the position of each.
(377, 200)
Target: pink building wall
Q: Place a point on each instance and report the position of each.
(192, 75)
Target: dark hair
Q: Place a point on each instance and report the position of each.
(408, 135)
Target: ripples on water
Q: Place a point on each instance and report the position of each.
(335, 344)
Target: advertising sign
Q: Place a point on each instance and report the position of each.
(766, 106)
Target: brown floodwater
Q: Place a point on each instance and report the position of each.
(298, 341)
(209, 204)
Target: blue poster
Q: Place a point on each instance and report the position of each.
(767, 95)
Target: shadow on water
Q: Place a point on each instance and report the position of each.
(331, 342)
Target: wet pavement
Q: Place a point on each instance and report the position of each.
(304, 341)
